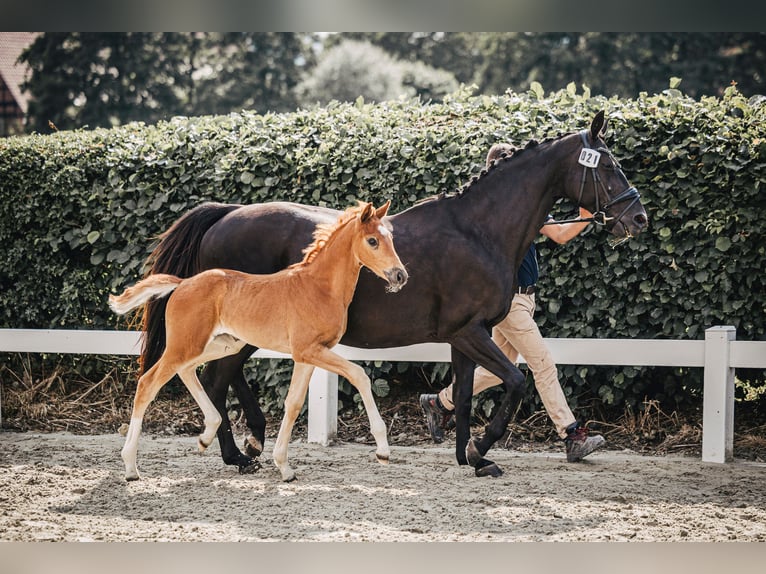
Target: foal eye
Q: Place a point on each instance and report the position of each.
(372, 241)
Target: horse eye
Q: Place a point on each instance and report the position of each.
(372, 241)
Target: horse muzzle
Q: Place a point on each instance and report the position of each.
(397, 278)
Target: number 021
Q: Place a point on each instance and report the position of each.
(589, 158)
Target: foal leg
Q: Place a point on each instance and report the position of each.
(212, 418)
(148, 386)
(326, 359)
(294, 400)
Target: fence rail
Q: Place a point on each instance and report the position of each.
(719, 354)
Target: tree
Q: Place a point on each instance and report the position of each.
(106, 79)
(249, 70)
(100, 79)
(622, 64)
(351, 68)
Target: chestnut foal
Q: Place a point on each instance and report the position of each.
(301, 310)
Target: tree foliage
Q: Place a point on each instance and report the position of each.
(621, 64)
(108, 79)
(351, 69)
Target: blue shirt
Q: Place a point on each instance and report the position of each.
(529, 272)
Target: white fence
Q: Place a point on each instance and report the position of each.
(719, 354)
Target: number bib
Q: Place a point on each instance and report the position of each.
(589, 158)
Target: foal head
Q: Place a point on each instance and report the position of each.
(373, 246)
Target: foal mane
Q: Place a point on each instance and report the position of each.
(323, 233)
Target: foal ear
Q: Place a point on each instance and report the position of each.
(598, 125)
(383, 209)
(368, 211)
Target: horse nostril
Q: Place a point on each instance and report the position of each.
(401, 276)
(640, 219)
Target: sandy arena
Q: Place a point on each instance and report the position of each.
(64, 487)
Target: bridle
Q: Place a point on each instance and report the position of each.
(590, 161)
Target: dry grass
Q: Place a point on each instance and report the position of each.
(59, 401)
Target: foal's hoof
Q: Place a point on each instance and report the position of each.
(250, 467)
(253, 447)
(382, 458)
(489, 468)
(289, 476)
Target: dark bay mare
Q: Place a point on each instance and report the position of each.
(461, 250)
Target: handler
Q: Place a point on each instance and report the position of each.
(518, 333)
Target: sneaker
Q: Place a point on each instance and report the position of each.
(437, 417)
(579, 444)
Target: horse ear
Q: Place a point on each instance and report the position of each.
(597, 125)
(368, 211)
(383, 209)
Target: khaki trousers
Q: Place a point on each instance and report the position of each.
(518, 333)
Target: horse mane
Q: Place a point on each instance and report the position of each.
(504, 158)
(323, 233)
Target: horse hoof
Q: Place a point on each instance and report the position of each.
(253, 447)
(132, 478)
(472, 454)
(489, 469)
(382, 458)
(289, 477)
(250, 468)
(201, 445)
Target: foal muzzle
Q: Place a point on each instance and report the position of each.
(397, 278)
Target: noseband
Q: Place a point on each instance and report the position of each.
(630, 194)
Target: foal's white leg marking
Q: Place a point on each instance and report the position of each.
(355, 374)
(361, 381)
(296, 395)
(212, 416)
(148, 386)
(130, 449)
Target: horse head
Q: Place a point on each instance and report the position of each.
(602, 187)
(375, 246)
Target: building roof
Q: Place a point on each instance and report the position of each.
(12, 73)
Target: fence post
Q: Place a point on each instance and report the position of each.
(718, 396)
(323, 407)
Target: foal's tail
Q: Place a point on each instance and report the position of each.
(153, 286)
(177, 253)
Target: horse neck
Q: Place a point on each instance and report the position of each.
(336, 266)
(517, 197)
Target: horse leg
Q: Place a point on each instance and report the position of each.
(326, 359)
(148, 386)
(294, 400)
(248, 400)
(477, 345)
(188, 375)
(216, 378)
(462, 386)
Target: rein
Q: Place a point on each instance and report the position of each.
(590, 161)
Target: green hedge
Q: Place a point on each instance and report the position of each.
(79, 210)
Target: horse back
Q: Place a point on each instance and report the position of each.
(262, 238)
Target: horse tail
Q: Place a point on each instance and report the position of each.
(177, 253)
(153, 286)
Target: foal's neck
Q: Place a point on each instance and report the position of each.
(336, 266)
